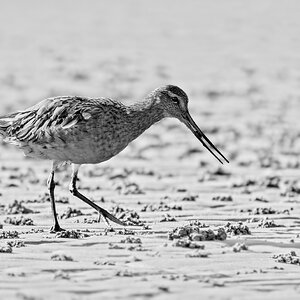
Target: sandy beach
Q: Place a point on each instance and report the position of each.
(197, 229)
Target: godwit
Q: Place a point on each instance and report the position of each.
(81, 130)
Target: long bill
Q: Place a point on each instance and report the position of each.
(203, 138)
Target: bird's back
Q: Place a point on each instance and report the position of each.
(67, 128)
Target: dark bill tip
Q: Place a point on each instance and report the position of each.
(204, 139)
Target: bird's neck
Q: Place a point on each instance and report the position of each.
(143, 114)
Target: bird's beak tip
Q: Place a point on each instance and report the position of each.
(204, 140)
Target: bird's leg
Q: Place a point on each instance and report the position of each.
(51, 186)
(73, 189)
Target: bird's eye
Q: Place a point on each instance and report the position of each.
(175, 100)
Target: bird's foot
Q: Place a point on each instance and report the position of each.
(56, 228)
(99, 217)
(105, 220)
(107, 216)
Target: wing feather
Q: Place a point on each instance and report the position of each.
(47, 119)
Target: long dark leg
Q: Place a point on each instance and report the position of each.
(51, 187)
(74, 191)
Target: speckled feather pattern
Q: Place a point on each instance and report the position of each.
(78, 130)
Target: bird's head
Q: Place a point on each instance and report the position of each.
(174, 102)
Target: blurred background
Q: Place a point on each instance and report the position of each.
(127, 48)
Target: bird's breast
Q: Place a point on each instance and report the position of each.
(95, 143)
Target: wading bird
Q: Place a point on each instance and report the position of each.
(81, 130)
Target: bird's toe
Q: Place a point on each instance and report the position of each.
(56, 228)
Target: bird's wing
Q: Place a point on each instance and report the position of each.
(43, 120)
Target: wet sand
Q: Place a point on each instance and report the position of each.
(239, 62)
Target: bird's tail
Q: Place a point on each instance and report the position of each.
(5, 124)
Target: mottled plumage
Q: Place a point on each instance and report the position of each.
(85, 130)
(75, 129)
